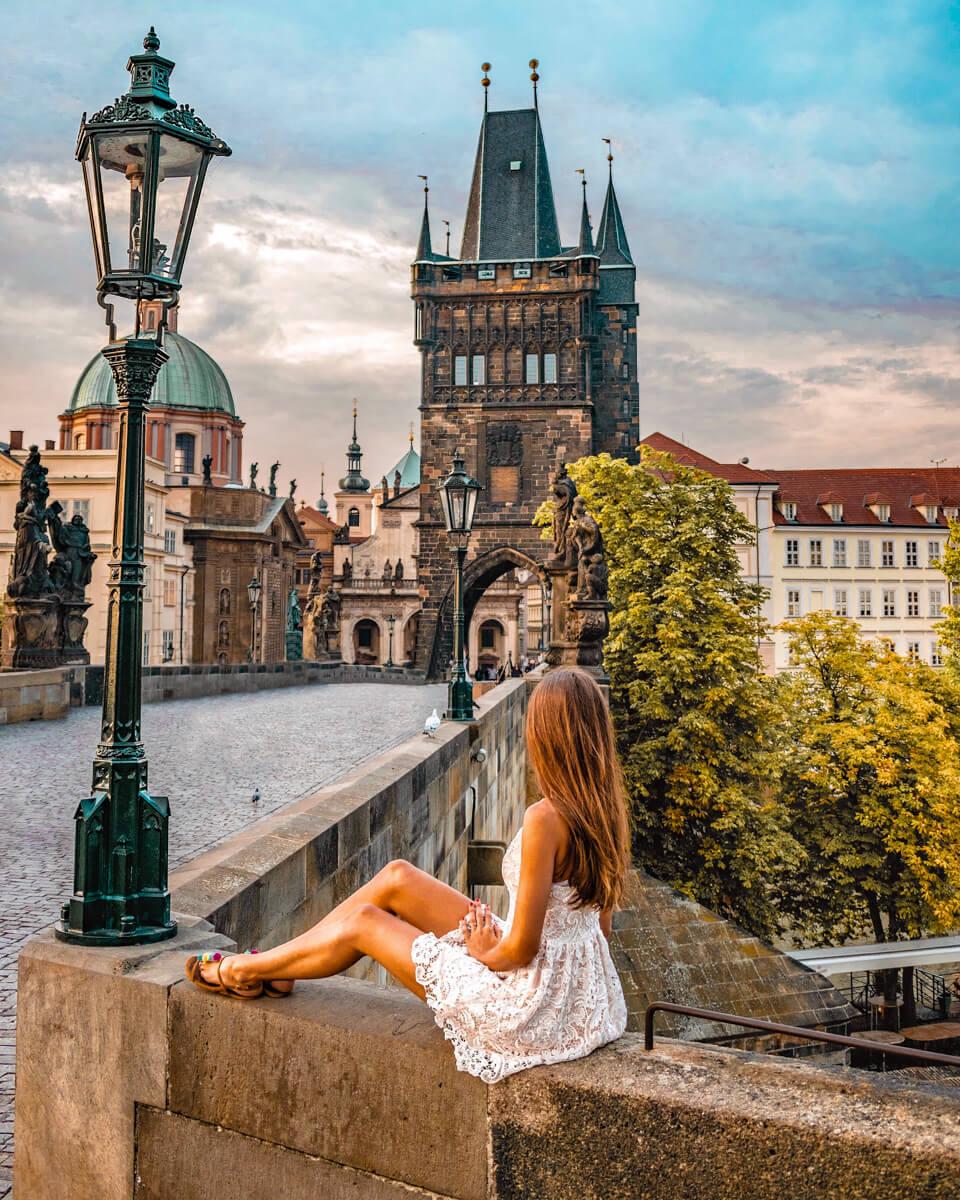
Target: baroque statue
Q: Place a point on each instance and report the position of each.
(254, 467)
(76, 559)
(274, 468)
(564, 491)
(207, 461)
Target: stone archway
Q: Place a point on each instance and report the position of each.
(478, 575)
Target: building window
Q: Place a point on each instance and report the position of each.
(889, 602)
(624, 370)
(911, 553)
(930, 512)
(793, 602)
(520, 270)
(913, 604)
(882, 511)
(866, 602)
(532, 373)
(840, 602)
(913, 651)
(792, 552)
(933, 554)
(353, 518)
(80, 441)
(167, 636)
(836, 512)
(863, 552)
(936, 655)
(839, 552)
(146, 647)
(184, 449)
(460, 370)
(169, 592)
(936, 602)
(816, 552)
(789, 509)
(479, 370)
(886, 554)
(224, 602)
(80, 508)
(549, 368)
(149, 520)
(170, 541)
(147, 575)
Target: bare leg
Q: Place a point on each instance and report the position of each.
(410, 901)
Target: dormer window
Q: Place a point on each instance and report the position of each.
(515, 164)
(882, 512)
(521, 270)
(836, 512)
(930, 512)
(788, 509)
(486, 272)
(951, 512)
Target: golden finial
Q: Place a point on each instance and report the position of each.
(411, 435)
(426, 187)
(609, 155)
(485, 81)
(534, 63)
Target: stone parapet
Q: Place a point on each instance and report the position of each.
(34, 695)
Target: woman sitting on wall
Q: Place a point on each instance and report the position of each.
(539, 987)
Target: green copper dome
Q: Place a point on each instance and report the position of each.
(190, 379)
(409, 468)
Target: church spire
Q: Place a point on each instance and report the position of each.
(585, 244)
(612, 245)
(424, 247)
(322, 502)
(354, 481)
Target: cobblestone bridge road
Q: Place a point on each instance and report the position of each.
(208, 756)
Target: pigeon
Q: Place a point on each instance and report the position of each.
(255, 798)
(432, 724)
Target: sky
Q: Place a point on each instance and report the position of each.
(789, 175)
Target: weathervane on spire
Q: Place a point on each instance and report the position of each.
(534, 63)
(411, 435)
(609, 155)
(447, 223)
(485, 82)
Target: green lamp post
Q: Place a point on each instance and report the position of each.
(458, 498)
(144, 160)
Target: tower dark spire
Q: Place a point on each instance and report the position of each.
(322, 502)
(585, 244)
(354, 481)
(612, 245)
(511, 214)
(424, 246)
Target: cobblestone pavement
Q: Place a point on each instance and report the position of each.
(208, 756)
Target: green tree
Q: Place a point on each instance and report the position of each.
(871, 788)
(691, 705)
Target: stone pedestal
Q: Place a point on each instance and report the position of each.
(294, 645)
(31, 633)
(577, 627)
(73, 627)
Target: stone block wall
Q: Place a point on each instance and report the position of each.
(34, 695)
(423, 800)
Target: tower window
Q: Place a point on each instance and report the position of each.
(479, 370)
(184, 452)
(486, 272)
(532, 373)
(516, 164)
(353, 518)
(624, 370)
(460, 370)
(549, 368)
(521, 270)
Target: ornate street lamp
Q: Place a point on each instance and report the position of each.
(253, 595)
(391, 623)
(144, 160)
(458, 498)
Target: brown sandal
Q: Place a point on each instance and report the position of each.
(270, 989)
(252, 991)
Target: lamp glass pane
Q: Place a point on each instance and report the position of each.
(93, 205)
(470, 502)
(178, 174)
(122, 160)
(457, 508)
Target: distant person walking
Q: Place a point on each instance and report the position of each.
(538, 987)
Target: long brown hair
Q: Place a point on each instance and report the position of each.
(571, 745)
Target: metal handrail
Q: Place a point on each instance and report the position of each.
(837, 1039)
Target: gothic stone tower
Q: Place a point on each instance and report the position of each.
(529, 358)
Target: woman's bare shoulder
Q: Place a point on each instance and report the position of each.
(544, 822)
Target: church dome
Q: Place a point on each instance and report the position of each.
(409, 468)
(189, 379)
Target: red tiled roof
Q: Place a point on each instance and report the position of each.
(830, 498)
(923, 498)
(315, 517)
(731, 472)
(858, 488)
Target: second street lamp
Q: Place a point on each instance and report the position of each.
(391, 624)
(458, 498)
(253, 595)
(144, 160)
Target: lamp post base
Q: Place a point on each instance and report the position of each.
(460, 700)
(141, 935)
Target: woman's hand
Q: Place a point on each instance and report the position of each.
(480, 931)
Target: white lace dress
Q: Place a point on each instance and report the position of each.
(563, 1005)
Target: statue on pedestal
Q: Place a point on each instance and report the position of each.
(294, 631)
(272, 487)
(254, 468)
(579, 578)
(207, 461)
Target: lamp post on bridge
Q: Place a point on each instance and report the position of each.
(253, 595)
(144, 160)
(391, 624)
(458, 497)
